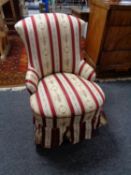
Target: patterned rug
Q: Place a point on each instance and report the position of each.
(13, 68)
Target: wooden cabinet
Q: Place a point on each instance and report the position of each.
(109, 35)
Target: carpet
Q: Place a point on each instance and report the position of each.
(109, 153)
(13, 68)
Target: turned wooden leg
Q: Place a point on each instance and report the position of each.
(4, 47)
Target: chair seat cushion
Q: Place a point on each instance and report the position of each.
(66, 95)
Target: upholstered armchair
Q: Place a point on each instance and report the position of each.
(65, 100)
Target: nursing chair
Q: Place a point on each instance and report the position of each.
(65, 100)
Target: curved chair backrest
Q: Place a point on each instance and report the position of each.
(52, 41)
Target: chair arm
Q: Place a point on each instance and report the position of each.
(84, 54)
(31, 80)
(86, 71)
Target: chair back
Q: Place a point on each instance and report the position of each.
(52, 42)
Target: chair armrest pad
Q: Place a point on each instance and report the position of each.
(31, 80)
(86, 71)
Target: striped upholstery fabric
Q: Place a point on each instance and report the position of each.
(66, 95)
(65, 101)
(52, 42)
(86, 71)
(51, 132)
(32, 79)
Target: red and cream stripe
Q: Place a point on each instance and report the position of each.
(59, 40)
(28, 42)
(66, 95)
(73, 98)
(31, 80)
(55, 43)
(91, 76)
(82, 64)
(49, 99)
(86, 71)
(99, 91)
(34, 72)
(43, 102)
(33, 20)
(91, 92)
(79, 28)
(31, 86)
(33, 45)
(76, 93)
(51, 42)
(77, 39)
(96, 118)
(73, 44)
